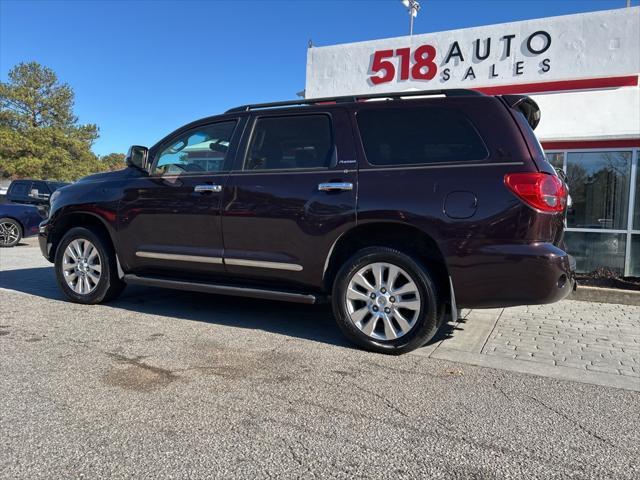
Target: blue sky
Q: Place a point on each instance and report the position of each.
(140, 69)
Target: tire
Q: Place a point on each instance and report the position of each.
(10, 232)
(410, 299)
(93, 276)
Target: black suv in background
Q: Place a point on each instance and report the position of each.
(400, 208)
(35, 192)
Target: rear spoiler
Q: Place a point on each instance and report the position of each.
(526, 106)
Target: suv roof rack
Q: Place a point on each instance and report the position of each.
(453, 92)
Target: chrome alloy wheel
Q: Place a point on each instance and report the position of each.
(81, 266)
(9, 233)
(383, 301)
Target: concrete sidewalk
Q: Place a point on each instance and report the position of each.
(587, 342)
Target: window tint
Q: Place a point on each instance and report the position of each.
(19, 188)
(418, 135)
(290, 142)
(53, 186)
(41, 186)
(201, 150)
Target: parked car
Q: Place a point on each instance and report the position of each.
(18, 221)
(34, 192)
(399, 208)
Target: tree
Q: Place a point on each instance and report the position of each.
(39, 134)
(113, 161)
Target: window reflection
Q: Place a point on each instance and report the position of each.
(636, 208)
(599, 187)
(634, 267)
(595, 250)
(556, 160)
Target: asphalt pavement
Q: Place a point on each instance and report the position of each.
(167, 384)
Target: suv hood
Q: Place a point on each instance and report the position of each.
(116, 174)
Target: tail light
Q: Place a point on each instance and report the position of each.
(539, 190)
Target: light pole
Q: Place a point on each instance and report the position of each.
(412, 7)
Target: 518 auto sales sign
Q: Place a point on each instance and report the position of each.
(591, 45)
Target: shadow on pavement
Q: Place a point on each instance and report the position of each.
(311, 322)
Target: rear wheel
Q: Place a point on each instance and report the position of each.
(10, 232)
(86, 268)
(386, 301)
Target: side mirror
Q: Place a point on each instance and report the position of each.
(36, 195)
(137, 157)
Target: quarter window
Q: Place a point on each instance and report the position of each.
(419, 135)
(294, 142)
(201, 150)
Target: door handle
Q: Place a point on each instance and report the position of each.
(207, 188)
(335, 186)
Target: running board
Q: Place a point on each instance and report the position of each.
(222, 289)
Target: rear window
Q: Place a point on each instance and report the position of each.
(418, 136)
(53, 186)
(18, 188)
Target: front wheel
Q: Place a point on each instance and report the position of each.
(386, 301)
(86, 268)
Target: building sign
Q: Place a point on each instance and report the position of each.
(571, 47)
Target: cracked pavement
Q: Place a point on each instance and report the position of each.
(164, 383)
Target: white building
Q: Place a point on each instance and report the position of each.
(582, 70)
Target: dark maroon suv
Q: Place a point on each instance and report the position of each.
(399, 208)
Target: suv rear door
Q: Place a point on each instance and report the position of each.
(292, 194)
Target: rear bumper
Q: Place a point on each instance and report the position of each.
(508, 275)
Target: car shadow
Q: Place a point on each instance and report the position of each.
(310, 322)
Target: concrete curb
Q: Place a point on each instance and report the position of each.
(606, 295)
(466, 347)
(535, 368)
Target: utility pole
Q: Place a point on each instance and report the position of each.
(412, 7)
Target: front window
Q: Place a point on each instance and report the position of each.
(201, 150)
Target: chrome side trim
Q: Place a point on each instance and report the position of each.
(238, 262)
(179, 258)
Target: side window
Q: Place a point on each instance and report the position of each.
(201, 150)
(300, 141)
(419, 135)
(41, 187)
(20, 188)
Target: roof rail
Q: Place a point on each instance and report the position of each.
(453, 92)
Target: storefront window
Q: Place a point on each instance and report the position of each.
(634, 267)
(636, 207)
(556, 160)
(599, 188)
(595, 250)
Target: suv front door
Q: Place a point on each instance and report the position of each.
(169, 221)
(292, 194)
